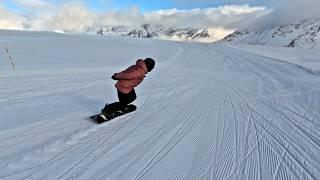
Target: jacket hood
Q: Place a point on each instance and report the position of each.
(141, 63)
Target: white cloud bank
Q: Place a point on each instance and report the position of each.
(69, 17)
(76, 16)
(289, 11)
(228, 17)
(43, 15)
(33, 4)
(10, 20)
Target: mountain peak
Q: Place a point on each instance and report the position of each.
(151, 31)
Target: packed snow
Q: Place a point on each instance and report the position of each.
(207, 111)
(305, 58)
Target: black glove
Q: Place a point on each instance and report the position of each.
(114, 77)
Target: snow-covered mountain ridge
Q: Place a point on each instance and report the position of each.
(151, 31)
(305, 34)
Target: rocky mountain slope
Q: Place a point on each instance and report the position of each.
(305, 34)
(151, 31)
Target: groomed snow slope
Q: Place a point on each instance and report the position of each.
(205, 112)
(305, 58)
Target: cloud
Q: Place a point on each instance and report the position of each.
(227, 17)
(71, 16)
(33, 4)
(130, 16)
(10, 20)
(218, 33)
(77, 16)
(289, 11)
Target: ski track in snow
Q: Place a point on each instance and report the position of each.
(206, 112)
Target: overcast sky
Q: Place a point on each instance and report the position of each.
(225, 15)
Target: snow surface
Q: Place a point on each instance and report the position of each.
(305, 58)
(205, 112)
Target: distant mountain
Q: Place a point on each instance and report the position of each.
(151, 31)
(305, 34)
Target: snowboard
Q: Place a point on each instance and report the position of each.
(101, 118)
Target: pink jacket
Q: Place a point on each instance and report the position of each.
(131, 77)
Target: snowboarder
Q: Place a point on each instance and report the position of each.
(127, 80)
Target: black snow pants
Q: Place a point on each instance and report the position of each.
(124, 99)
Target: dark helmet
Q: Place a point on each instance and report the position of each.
(149, 63)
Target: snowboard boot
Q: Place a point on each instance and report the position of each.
(106, 113)
(109, 113)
